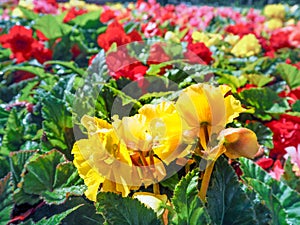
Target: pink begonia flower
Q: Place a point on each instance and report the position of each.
(295, 158)
(277, 171)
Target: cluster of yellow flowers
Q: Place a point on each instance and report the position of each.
(247, 46)
(275, 14)
(135, 150)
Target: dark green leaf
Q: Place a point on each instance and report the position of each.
(117, 210)
(227, 203)
(52, 178)
(13, 137)
(87, 20)
(55, 219)
(57, 124)
(265, 101)
(17, 163)
(290, 74)
(296, 106)
(188, 205)
(86, 214)
(263, 183)
(6, 200)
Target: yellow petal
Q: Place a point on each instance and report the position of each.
(239, 142)
(233, 108)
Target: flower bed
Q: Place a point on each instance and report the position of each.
(149, 114)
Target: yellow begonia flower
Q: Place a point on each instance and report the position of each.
(247, 46)
(208, 39)
(274, 11)
(103, 158)
(273, 24)
(206, 110)
(156, 127)
(26, 4)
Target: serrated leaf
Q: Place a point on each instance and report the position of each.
(57, 124)
(265, 101)
(13, 137)
(265, 192)
(17, 162)
(227, 203)
(290, 74)
(188, 205)
(6, 199)
(51, 27)
(288, 198)
(263, 133)
(50, 177)
(121, 211)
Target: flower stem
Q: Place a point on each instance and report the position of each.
(205, 181)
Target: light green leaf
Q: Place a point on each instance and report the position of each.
(188, 205)
(227, 203)
(117, 210)
(70, 65)
(290, 74)
(258, 80)
(51, 27)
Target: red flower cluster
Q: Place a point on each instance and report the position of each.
(198, 53)
(23, 46)
(121, 64)
(286, 132)
(240, 29)
(115, 33)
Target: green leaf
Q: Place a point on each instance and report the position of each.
(13, 137)
(86, 214)
(277, 212)
(263, 133)
(52, 178)
(57, 124)
(296, 106)
(6, 200)
(4, 166)
(69, 65)
(87, 20)
(265, 101)
(117, 210)
(51, 27)
(17, 163)
(288, 198)
(290, 74)
(258, 80)
(227, 203)
(55, 219)
(38, 71)
(188, 205)
(232, 81)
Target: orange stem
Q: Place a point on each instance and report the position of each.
(205, 181)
